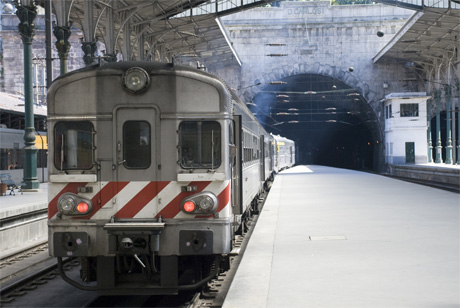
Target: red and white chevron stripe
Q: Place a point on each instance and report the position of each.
(138, 199)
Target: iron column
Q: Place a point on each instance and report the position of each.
(430, 142)
(49, 51)
(437, 98)
(448, 126)
(26, 12)
(62, 33)
(458, 126)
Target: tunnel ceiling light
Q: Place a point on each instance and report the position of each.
(293, 122)
(277, 55)
(353, 94)
(282, 96)
(309, 92)
(277, 82)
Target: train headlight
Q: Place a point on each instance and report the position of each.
(206, 203)
(73, 205)
(66, 204)
(136, 80)
(202, 203)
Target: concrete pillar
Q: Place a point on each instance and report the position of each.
(430, 143)
(448, 126)
(437, 99)
(26, 12)
(62, 33)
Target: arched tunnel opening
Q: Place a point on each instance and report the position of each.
(331, 123)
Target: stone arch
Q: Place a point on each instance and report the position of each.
(317, 68)
(346, 77)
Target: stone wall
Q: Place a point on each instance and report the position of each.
(11, 54)
(318, 38)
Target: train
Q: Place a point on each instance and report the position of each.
(12, 122)
(154, 168)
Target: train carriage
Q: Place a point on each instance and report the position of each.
(147, 183)
(284, 152)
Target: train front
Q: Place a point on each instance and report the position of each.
(139, 177)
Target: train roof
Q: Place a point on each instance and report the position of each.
(281, 138)
(149, 66)
(15, 104)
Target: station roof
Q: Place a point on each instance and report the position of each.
(431, 34)
(188, 30)
(15, 104)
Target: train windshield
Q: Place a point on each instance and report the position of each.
(200, 145)
(73, 145)
(136, 144)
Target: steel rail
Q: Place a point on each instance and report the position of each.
(9, 289)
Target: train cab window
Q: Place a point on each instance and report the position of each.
(200, 144)
(136, 144)
(73, 145)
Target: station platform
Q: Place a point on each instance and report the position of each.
(23, 217)
(330, 237)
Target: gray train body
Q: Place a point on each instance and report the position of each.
(153, 168)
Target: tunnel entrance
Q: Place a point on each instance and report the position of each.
(331, 123)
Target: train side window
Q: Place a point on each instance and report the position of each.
(136, 144)
(73, 145)
(231, 132)
(200, 144)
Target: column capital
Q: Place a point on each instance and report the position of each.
(110, 57)
(62, 34)
(89, 48)
(26, 26)
(437, 94)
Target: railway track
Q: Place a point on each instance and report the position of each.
(439, 185)
(26, 271)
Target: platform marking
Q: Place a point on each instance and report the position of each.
(328, 238)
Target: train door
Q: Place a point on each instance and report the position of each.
(271, 154)
(262, 158)
(237, 168)
(136, 138)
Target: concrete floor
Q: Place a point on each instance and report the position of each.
(332, 237)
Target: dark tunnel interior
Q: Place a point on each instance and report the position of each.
(331, 123)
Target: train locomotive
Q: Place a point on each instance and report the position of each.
(153, 169)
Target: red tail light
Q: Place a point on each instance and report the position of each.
(82, 207)
(189, 206)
